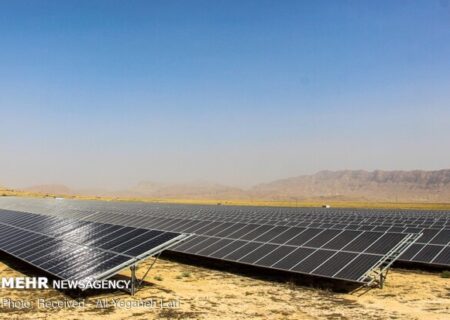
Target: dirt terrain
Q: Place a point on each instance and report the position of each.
(195, 292)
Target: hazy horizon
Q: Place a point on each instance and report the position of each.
(102, 94)
(201, 182)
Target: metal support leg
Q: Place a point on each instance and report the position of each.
(383, 276)
(133, 279)
(135, 282)
(148, 270)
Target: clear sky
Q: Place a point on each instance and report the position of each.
(109, 93)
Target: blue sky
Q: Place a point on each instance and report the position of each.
(109, 93)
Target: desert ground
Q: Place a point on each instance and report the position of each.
(192, 291)
(314, 203)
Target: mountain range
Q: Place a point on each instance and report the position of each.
(353, 185)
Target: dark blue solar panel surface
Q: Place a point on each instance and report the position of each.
(74, 249)
(279, 238)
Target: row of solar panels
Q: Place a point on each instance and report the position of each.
(216, 230)
(77, 250)
(270, 213)
(83, 208)
(337, 264)
(433, 247)
(430, 224)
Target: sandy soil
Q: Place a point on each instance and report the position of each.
(193, 292)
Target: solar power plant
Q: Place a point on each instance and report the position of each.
(432, 247)
(342, 244)
(73, 249)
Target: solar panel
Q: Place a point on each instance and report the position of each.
(56, 256)
(370, 234)
(78, 250)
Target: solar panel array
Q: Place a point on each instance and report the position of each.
(432, 248)
(342, 244)
(77, 250)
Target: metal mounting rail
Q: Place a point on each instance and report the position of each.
(378, 273)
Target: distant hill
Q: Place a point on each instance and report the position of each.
(429, 186)
(147, 189)
(351, 185)
(50, 189)
(197, 190)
